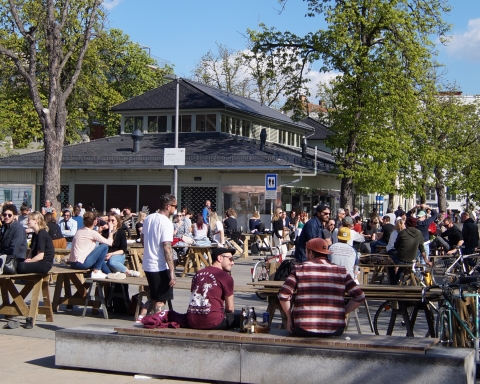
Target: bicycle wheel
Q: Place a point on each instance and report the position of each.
(442, 327)
(382, 319)
(438, 270)
(260, 274)
(386, 313)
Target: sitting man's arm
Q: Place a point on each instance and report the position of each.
(229, 306)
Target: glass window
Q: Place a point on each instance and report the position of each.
(245, 128)
(281, 137)
(162, 123)
(128, 126)
(185, 122)
(431, 194)
(211, 122)
(224, 123)
(152, 123)
(291, 138)
(200, 123)
(139, 122)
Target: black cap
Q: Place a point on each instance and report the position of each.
(220, 251)
(322, 207)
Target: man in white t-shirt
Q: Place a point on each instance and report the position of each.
(157, 237)
(342, 253)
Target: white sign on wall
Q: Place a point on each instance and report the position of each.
(174, 156)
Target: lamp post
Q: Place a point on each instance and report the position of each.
(177, 108)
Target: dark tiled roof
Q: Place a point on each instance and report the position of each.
(203, 150)
(195, 95)
(321, 130)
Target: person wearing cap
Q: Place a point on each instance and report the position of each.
(82, 210)
(342, 253)
(313, 228)
(399, 212)
(211, 300)
(408, 244)
(68, 227)
(319, 288)
(356, 239)
(423, 224)
(454, 235)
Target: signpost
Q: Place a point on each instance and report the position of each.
(271, 186)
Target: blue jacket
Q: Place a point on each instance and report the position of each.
(313, 228)
(14, 240)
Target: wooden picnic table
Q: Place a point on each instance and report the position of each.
(196, 256)
(254, 236)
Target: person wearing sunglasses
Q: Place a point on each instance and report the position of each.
(14, 238)
(68, 226)
(316, 227)
(211, 300)
(115, 257)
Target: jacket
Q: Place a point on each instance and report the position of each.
(14, 240)
(313, 228)
(408, 242)
(470, 234)
(422, 225)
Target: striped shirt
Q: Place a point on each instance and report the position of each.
(320, 288)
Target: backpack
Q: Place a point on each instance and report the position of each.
(432, 229)
(285, 269)
(255, 250)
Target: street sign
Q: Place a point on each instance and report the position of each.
(174, 156)
(270, 186)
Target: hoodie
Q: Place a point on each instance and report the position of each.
(470, 234)
(408, 242)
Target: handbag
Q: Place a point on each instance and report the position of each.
(10, 267)
(187, 240)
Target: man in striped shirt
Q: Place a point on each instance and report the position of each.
(320, 288)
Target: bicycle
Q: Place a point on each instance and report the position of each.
(398, 318)
(450, 323)
(451, 267)
(260, 272)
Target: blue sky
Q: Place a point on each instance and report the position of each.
(182, 31)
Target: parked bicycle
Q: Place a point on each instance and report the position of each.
(447, 269)
(260, 272)
(457, 323)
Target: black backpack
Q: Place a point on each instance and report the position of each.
(285, 269)
(255, 250)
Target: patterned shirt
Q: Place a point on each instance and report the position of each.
(320, 295)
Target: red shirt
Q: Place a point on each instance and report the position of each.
(320, 298)
(209, 288)
(357, 227)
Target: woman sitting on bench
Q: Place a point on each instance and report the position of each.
(42, 248)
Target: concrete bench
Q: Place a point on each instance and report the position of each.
(263, 358)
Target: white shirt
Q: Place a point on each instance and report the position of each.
(72, 225)
(391, 241)
(355, 236)
(345, 256)
(218, 228)
(157, 229)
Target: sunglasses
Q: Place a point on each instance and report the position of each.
(325, 213)
(7, 215)
(228, 257)
(174, 206)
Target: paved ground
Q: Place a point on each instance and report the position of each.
(28, 355)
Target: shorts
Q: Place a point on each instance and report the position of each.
(158, 282)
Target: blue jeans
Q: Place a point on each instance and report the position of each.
(427, 253)
(95, 260)
(116, 263)
(373, 245)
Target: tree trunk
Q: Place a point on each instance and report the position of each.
(390, 201)
(440, 189)
(54, 136)
(346, 193)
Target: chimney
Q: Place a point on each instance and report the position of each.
(263, 139)
(137, 137)
(304, 147)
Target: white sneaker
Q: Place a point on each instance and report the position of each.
(98, 275)
(117, 276)
(132, 273)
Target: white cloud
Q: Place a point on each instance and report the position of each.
(466, 45)
(319, 77)
(110, 4)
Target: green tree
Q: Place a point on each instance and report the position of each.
(47, 42)
(383, 53)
